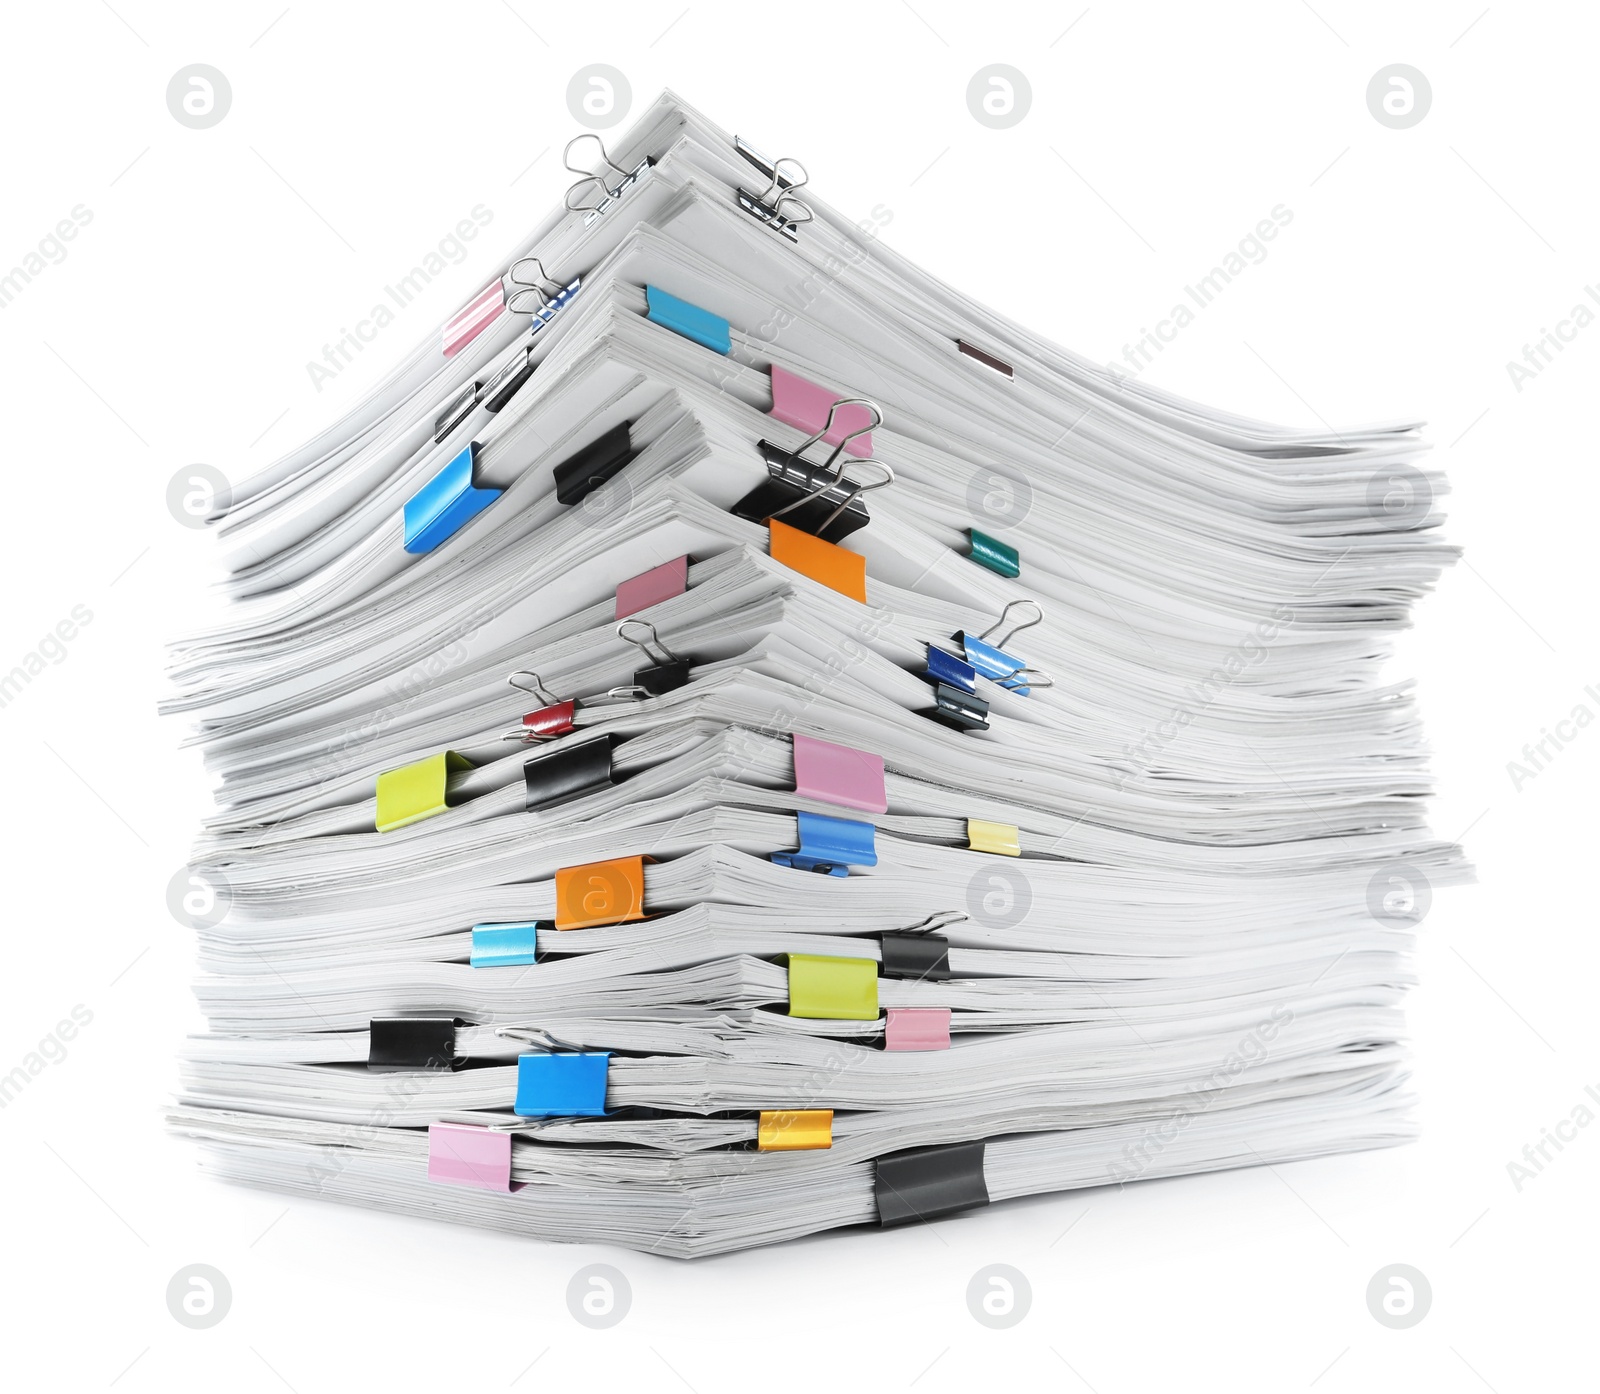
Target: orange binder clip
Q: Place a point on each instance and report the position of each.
(845, 572)
(600, 893)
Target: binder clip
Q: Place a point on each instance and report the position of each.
(697, 325)
(945, 667)
(560, 775)
(999, 557)
(916, 1028)
(399, 1044)
(839, 775)
(502, 387)
(446, 503)
(830, 845)
(959, 710)
(580, 474)
(917, 954)
(651, 587)
(539, 296)
(491, 393)
(991, 660)
(600, 893)
(562, 1086)
(928, 1182)
(416, 791)
(667, 672)
(955, 686)
(469, 1154)
(556, 717)
(472, 319)
(456, 410)
(510, 945)
(998, 839)
(824, 988)
(605, 193)
(801, 403)
(824, 502)
(795, 1130)
(768, 206)
(826, 563)
(977, 355)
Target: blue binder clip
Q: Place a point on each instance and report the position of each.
(539, 298)
(831, 845)
(691, 321)
(446, 503)
(506, 945)
(562, 1086)
(994, 662)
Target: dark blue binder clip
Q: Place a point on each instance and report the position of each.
(946, 668)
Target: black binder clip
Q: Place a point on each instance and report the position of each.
(919, 954)
(959, 710)
(926, 1183)
(559, 775)
(666, 673)
(397, 1044)
(579, 475)
(768, 206)
(457, 410)
(918, 957)
(817, 498)
(605, 193)
(955, 686)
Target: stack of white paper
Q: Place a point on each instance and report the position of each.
(642, 823)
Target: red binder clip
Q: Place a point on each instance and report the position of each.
(558, 717)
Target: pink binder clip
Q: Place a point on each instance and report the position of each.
(838, 774)
(917, 1028)
(465, 1155)
(652, 587)
(484, 310)
(799, 402)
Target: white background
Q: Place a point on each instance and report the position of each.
(217, 262)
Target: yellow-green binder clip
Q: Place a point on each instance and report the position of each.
(414, 792)
(833, 989)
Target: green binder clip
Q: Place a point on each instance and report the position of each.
(993, 553)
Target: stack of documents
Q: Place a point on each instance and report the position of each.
(732, 738)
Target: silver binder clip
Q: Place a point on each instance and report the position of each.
(986, 652)
(849, 487)
(794, 481)
(769, 205)
(666, 671)
(653, 648)
(538, 295)
(940, 919)
(535, 686)
(604, 191)
(1000, 643)
(537, 1035)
